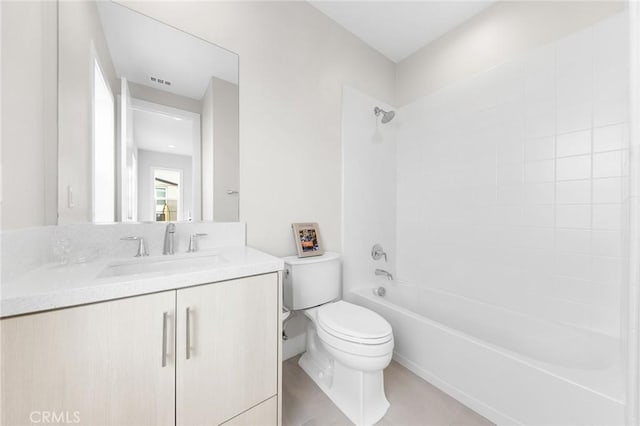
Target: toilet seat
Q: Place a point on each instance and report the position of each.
(356, 339)
(354, 330)
(353, 348)
(354, 323)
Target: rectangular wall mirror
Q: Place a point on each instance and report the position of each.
(147, 120)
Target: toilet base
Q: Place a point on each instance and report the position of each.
(358, 394)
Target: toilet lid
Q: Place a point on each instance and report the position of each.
(353, 322)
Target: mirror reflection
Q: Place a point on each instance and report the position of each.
(148, 120)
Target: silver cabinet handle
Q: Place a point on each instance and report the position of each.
(164, 338)
(188, 337)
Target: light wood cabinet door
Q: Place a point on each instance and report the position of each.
(99, 364)
(231, 332)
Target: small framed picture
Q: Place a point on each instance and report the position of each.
(307, 238)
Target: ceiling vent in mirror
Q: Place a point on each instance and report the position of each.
(160, 81)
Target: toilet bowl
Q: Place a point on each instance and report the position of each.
(356, 336)
(347, 346)
(347, 349)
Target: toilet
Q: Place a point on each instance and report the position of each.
(348, 346)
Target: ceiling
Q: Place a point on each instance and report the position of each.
(399, 28)
(142, 47)
(162, 129)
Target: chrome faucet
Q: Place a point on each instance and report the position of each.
(169, 233)
(384, 273)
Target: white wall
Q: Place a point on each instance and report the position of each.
(293, 63)
(511, 183)
(369, 189)
(220, 151)
(152, 159)
(29, 118)
(207, 152)
(490, 38)
(226, 155)
(80, 29)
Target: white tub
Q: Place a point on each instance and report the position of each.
(509, 367)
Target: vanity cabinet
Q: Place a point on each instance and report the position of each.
(93, 364)
(227, 349)
(201, 355)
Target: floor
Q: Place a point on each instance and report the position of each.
(414, 402)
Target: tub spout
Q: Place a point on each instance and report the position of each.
(384, 273)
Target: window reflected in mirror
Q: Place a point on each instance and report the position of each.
(168, 200)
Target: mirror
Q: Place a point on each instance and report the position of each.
(147, 120)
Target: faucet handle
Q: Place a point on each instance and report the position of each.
(193, 241)
(142, 247)
(377, 252)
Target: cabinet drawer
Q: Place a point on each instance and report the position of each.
(263, 414)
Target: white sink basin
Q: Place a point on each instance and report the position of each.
(164, 265)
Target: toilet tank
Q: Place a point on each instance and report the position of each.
(311, 281)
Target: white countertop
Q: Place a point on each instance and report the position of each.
(56, 286)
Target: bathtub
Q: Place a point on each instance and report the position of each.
(509, 367)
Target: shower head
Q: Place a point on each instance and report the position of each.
(387, 116)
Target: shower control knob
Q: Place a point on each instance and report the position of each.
(377, 252)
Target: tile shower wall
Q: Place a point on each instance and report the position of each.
(369, 187)
(512, 185)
